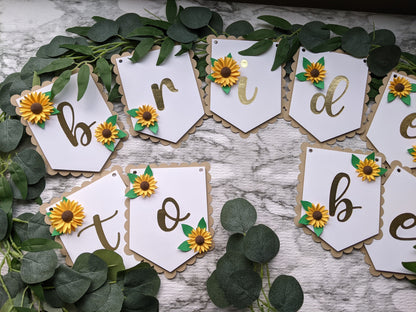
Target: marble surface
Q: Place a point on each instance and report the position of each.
(262, 168)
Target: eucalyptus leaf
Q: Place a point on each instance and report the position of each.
(142, 49)
(19, 179)
(282, 54)
(14, 285)
(144, 31)
(157, 23)
(31, 163)
(85, 50)
(93, 267)
(34, 64)
(37, 228)
(4, 224)
(235, 243)
(238, 215)
(11, 132)
(127, 22)
(53, 49)
(6, 195)
(60, 83)
(178, 32)
(286, 294)
(114, 300)
(104, 72)
(195, 17)
(113, 260)
(229, 263)
(114, 95)
(243, 288)
(382, 37)
(82, 80)
(277, 22)
(140, 279)
(79, 30)
(34, 190)
(328, 45)
(5, 104)
(38, 266)
(215, 26)
(70, 285)
(337, 29)
(313, 34)
(261, 244)
(94, 301)
(39, 244)
(19, 85)
(138, 302)
(185, 47)
(20, 228)
(239, 28)
(383, 59)
(258, 48)
(260, 34)
(165, 49)
(356, 42)
(171, 10)
(215, 292)
(103, 30)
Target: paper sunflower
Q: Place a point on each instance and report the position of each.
(401, 87)
(314, 72)
(66, 216)
(36, 108)
(317, 216)
(147, 117)
(143, 185)
(412, 151)
(367, 169)
(199, 239)
(107, 132)
(225, 72)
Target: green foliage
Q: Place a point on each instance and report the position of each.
(237, 280)
(239, 28)
(356, 42)
(38, 266)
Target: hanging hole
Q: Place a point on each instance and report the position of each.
(365, 61)
(277, 45)
(310, 150)
(200, 169)
(399, 170)
(50, 209)
(120, 61)
(215, 41)
(376, 159)
(303, 49)
(134, 172)
(114, 174)
(395, 76)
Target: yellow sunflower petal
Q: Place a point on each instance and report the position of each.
(317, 215)
(36, 107)
(368, 169)
(315, 72)
(200, 240)
(144, 185)
(225, 71)
(106, 133)
(66, 216)
(146, 115)
(400, 86)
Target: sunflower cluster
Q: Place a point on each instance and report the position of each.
(66, 216)
(316, 216)
(314, 72)
(199, 239)
(36, 108)
(225, 72)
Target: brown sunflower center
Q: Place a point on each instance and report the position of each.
(106, 133)
(317, 215)
(314, 73)
(144, 185)
(36, 108)
(225, 72)
(399, 87)
(147, 116)
(199, 240)
(67, 216)
(368, 170)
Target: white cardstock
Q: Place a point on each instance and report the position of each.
(266, 102)
(322, 166)
(384, 132)
(182, 108)
(399, 220)
(187, 186)
(72, 151)
(103, 198)
(345, 102)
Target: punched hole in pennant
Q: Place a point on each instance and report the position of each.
(376, 159)
(398, 170)
(365, 60)
(120, 61)
(303, 50)
(215, 41)
(395, 76)
(114, 174)
(50, 209)
(310, 150)
(134, 172)
(200, 169)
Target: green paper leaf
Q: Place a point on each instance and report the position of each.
(406, 99)
(213, 60)
(132, 112)
(383, 59)
(413, 89)
(132, 177)
(142, 49)
(19, 179)
(226, 89)
(131, 194)
(306, 205)
(211, 78)
(55, 111)
(303, 220)
(60, 83)
(148, 171)
(390, 97)
(202, 224)
(356, 42)
(215, 291)
(154, 128)
(257, 48)
(238, 215)
(171, 10)
(355, 161)
(58, 64)
(165, 49)
(184, 246)
(11, 132)
(321, 61)
(286, 294)
(371, 156)
(410, 151)
(178, 32)
(411, 266)
(121, 134)
(69, 284)
(301, 76)
(103, 70)
(239, 28)
(41, 124)
(112, 119)
(261, 244)
(64, 199)
(318, 230)
(382, 171)
(138, 127)
(56, 233)
(110, 146)
(306, 63)
(276, 21)
(82, 80)
(114, 262)
(39, 244)
(38, 266)
(187, 229)
(195, 17)
(32, 164)
(320, 84)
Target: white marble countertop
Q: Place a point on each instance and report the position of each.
(262, 168)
